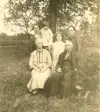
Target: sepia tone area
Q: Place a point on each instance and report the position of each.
(15, 49)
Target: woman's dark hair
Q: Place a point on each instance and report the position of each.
(34, 25)
(46, 23)
(71, 27)
(59, 32)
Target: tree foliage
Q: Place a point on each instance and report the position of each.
(25, 13)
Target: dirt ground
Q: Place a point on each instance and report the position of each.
(14, 76)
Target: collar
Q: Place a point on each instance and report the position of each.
(39, 50)
(66, 53)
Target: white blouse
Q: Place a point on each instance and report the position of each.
(42, 57)
(58, 47)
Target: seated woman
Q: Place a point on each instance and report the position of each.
(57, 48)
(40, 63)
(67, 65)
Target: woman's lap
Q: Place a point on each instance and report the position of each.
(38, 79)
(56, 86)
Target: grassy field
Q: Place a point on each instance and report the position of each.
(15, 74)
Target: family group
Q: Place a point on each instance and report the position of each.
(53, 64)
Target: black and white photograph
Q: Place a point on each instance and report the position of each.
(49, 55)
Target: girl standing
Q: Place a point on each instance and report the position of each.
(57, 48)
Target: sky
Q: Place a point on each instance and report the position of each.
(3, 28)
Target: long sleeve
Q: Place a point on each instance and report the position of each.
(53, 49)
(50, 33)
(50, 37)
(31, 61)
(58, 64)
(60, 60)
(74, 61)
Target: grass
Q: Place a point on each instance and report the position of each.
(14, 76)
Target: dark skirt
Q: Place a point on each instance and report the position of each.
(59, 84)
(68, 83)
(47, 87)
(53, 85)
(56, 83)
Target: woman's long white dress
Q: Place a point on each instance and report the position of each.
(38, 79)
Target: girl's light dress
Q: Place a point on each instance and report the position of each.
(57, 48)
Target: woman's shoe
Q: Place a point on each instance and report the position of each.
(35, 92)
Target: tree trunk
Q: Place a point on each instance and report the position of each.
(53, 16)
(98, 20)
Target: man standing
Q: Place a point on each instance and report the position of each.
(74, 39)
(40, 63)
